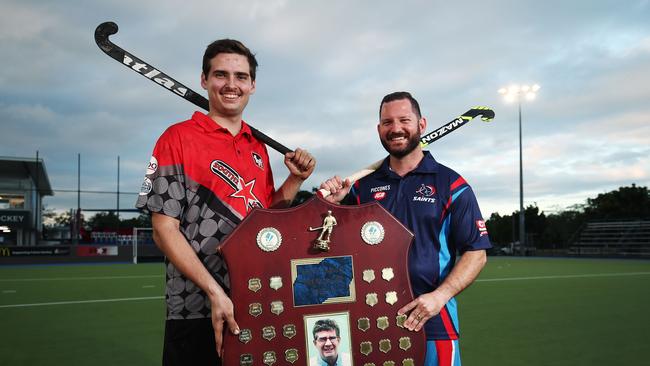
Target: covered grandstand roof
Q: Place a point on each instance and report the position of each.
(15, 167)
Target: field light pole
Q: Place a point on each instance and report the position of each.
(510, 94)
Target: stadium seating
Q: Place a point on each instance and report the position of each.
(613, 238)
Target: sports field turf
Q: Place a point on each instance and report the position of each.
(522, 311)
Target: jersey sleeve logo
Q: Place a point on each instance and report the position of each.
(242, 189)
(480, 225)
(153, 166)
(146, 186)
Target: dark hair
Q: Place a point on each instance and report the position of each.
(228, 46)
(324, 325)
(399, 96)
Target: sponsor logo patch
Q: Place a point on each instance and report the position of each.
(153, 166)
(380, 189)
(480, 225)
(225, 172)
(379, 196)
(146, 187)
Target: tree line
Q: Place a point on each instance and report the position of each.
(552, 231)
(557, 230)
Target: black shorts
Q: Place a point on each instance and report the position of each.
(190, 342)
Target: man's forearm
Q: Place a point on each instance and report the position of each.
(287, 192)
(175, 247)
(462, 275)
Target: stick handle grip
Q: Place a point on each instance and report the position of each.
(269, 141)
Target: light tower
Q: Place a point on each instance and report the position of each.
(511, 94)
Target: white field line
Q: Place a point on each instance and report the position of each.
(78, 278)
(81, 302)
(479, 280)
(564, 276)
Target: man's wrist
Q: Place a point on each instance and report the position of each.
(214, 290)
(440, 296)
(295, 178)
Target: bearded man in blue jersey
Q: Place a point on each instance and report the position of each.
(440, 208)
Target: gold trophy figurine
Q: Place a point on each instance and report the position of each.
(322, 243)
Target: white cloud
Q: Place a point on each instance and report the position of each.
(20, 22)
(324, 67)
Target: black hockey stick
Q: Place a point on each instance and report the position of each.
(127, 59)
(486, 114)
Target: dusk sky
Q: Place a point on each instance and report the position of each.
(324, 67)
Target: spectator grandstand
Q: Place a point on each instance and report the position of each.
(613, 238)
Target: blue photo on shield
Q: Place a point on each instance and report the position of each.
(323, 280)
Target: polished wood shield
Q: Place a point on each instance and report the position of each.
(297, 274)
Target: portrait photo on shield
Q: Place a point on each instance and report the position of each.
(328, 339)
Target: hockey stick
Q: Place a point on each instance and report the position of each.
(486, 114)
(107, 29)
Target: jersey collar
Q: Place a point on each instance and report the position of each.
(427, 165)
(210, 125)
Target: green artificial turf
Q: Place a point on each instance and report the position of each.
(521, 311)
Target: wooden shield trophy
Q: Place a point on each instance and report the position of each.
(320, 282)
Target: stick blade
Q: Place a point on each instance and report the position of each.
(101, 35)
(486, 113)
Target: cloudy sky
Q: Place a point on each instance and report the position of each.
(324, 67)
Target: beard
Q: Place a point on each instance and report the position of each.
(413, 142)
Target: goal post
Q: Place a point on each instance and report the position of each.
(141, 236)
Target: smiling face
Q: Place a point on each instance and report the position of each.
(399, 128)
(229, 85)
(327, 342)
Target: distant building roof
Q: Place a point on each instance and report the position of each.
(14, 167)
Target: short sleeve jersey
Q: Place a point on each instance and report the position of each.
(209, 180)
(440, 208)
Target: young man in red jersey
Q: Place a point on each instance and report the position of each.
(206, 174)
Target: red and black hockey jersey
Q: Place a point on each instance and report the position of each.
(209, 180)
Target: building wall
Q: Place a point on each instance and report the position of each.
(12, 189)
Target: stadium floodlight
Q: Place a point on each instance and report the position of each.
(510, 94)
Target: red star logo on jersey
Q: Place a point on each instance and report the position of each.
(245, 192)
